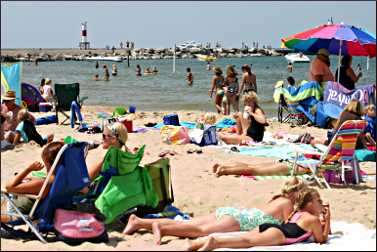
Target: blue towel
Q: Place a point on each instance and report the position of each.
(189, 125)
(226, 123)
(170, 212)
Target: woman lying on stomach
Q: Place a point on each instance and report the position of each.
(303, 223)
(226, 219)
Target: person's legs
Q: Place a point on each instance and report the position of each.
(270, 237)
(245, 122)
(75, 110)
(261, 169)
(218, 100)
(135, 223)
(233, 138)
(183, 229)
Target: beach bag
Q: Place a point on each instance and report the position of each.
(74, 228)
(174, 134)
(171, 119)
(209, 136)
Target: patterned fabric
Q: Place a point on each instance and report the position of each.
(247, 218)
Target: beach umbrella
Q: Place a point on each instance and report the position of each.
(339, 39)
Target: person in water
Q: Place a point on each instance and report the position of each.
(189, 77)
(114, 70)
(217, 84)
(106, 73)
(138, 70)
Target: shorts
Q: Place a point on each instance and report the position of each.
(24, 204)
(247, 218)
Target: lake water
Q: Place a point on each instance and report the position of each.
(167, 90)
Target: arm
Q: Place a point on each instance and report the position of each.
(29, 187)
(94, 170)
(17, 138)
(352, 75)
(242, 85)
(321, 230)
(259, 116)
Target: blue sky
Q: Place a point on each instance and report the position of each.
(160, 24)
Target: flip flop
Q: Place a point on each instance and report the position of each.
(164, 153)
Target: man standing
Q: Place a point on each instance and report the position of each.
(320, 67)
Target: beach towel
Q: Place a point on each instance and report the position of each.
(345, 236)
(365, 155)
(226, 123)
(189, 125)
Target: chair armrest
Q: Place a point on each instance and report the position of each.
(298, 149)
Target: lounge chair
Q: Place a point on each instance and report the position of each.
(339, 155)
(65, 94)
(71, 175)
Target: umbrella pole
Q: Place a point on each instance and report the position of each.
(340, 54)
(368, 63)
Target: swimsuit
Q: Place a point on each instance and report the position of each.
(255, 130)
(219, 84)
(247, 218)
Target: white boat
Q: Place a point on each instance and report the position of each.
(105, 58)
(297, 58)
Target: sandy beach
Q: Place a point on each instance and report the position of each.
(196, 190)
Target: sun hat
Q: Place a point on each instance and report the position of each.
(9, 96)
(324, 52)
(217, 70)
(47, 81)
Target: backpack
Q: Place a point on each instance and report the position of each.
(171, 119)
(209, 136)
(74, 228)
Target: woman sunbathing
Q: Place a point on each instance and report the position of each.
(226, 219)
(21, 184)
(260, 168)
(114, 135)
(303, 223)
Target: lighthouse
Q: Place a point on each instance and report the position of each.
(84, 44)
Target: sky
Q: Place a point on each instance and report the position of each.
(161, 24)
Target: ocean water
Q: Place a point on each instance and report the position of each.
(167, 90)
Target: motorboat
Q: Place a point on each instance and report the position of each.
(297, 58)
(207, 58)
(105, 58)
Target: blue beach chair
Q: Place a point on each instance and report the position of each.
(71, 176)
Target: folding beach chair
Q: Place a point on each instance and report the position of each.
(123, 184)
(71, 175)
(65, 94)
(340, 154)
(294, 116)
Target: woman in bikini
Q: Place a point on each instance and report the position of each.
(304, 222)
(217, 85)
(231, 82)
(225, 219)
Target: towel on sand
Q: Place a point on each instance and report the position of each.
(345, 236)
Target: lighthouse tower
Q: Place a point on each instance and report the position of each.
(84, 44)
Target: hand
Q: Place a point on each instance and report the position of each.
(36, 166)
(326, 212)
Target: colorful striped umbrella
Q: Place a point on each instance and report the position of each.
(336, 38)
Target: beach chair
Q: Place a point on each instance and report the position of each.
(294, 116)
(123, 185)
(71, 175)
(339, 155)
(65, 94)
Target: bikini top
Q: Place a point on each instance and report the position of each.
(303, 237)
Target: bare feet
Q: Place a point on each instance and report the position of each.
(131, 225)
(193, 245)
(188, 245)
(156, 233)
(214, 167)
(210, 244)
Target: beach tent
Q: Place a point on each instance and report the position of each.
(11, 79)
(31, 96)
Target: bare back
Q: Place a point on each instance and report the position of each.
(280, 208)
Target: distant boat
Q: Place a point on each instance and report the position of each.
(297, 58)
(207, 58)
(105, 58)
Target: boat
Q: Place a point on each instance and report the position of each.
(207, 58)
(105, 58)
(297, 58)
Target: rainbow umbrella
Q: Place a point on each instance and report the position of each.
(336, 38)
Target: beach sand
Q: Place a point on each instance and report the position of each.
(196, 190)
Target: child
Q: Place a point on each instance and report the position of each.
(291, 85)
(208, 119)
(27, 131)
(21, 184)
(370, 117)
(47, 94)
(189, 77)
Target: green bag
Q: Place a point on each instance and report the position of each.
(125, 162)
(119, 111)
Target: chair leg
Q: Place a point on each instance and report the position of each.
(28, 222)
(344, 173)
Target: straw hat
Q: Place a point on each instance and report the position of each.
(324, 52)
(47, 81)
(217, 70)
(10, 95)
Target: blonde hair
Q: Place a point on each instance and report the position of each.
(24, 115)
(251, 96)
(370, 107)
(303, 198)
(119, 131)
(354, 106)
(293, 185)
(210, 118)
(231, 72)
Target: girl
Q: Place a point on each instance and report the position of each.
(231, 82)
(48, 94)
(304, 222)
(27, 131)
(21, 184)
(217, 85)
(226, 219)
(250, 125)
(248, 82)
